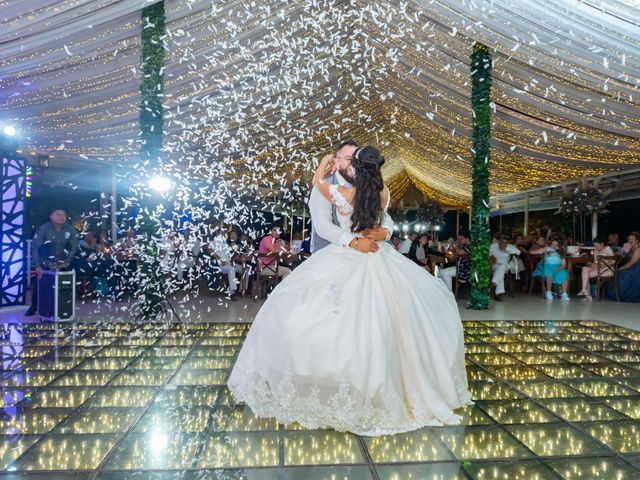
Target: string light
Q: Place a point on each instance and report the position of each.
(544, 95)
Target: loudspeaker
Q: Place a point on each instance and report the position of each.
(57, 295)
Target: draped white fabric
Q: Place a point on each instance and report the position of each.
(280, 78)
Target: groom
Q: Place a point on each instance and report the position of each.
(324, 219)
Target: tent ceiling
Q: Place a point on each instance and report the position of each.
(262, 87)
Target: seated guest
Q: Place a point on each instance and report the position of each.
(538, 247)
(84, 262)
(292, 258)
(519, 266)
(270, 247)
(436, 254)
(500, 255)
(590, 270)
(462, 250)
(126, 264)
(168, 250)
(547, 233)
(246, 244)
(129, 241)
(221, 252)
(519, 243)
(105, 265)
(395, 242)
(405, 246)
(187, 251)
(105, 243)
(233, 240)
(555, 270)
(419, 251)
(629, 273)
(613, 241)
(242, 255)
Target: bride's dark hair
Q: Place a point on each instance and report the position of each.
(367, 208)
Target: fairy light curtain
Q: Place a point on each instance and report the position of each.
(263, 88)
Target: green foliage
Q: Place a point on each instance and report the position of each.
(583, 200)
(152, 85)
(430, 212)
(397, 214)
(151, 293)
(480, 230)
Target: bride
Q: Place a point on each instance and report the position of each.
(363, 342)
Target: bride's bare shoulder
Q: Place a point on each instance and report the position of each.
(349, 193)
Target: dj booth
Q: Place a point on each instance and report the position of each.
(57, 295)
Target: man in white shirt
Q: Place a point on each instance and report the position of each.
(221, 251)
(405, 246)
(188, 250)
(326, 228)
(500, 254)
(168, 252)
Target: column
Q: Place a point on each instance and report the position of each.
(526, 215)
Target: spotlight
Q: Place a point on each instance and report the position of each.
(9, 130)
(437, 228)
(160, 184)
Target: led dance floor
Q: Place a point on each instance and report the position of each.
(554, 400)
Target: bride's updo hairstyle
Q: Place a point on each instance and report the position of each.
(367, 208)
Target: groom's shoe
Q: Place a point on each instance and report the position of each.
(234, 296)
(497, 297)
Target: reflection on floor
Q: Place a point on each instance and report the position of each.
(554, 400)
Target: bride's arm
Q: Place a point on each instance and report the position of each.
(387, 221)
(325, 167)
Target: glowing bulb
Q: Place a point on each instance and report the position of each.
(9, 130)
(160, 184)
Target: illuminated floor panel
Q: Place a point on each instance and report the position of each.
(554, 400)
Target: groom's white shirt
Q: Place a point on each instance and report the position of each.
(322, 218)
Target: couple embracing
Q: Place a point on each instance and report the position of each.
(358, 338)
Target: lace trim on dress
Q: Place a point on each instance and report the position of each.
(342, 407)
(344, 207)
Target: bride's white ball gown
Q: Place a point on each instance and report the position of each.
(363, 342)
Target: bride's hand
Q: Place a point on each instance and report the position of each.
(364, 245)
(378, 233)
(326, 165)
(324, 169)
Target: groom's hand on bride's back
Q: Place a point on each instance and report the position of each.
(364, 245)
(377, 234)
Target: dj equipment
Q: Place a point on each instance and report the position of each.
(57, 295)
